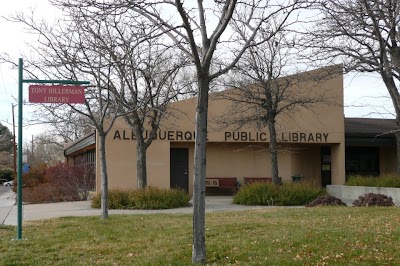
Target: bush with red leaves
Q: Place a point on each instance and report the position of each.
(35, 176)
(46, 192)
(326, 200)
(372, 199)
(76, 180)
(59, 183)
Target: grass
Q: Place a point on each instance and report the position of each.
(149, 198)
(276, 236)
(388, 180)
(289, 194)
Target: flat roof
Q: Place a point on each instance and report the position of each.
(81, 144)
(369, 131)
(370, 126)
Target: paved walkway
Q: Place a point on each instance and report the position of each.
(7, 201)
(8, 215)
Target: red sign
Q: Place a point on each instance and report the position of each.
(56, 94)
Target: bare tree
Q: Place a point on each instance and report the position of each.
(66, 51)
(203, 48)
(63, 123)
(212, 54)
(45, 148)
(147, 66)
(365, 35)
(138, 66)
(266, 85)
(154, 87)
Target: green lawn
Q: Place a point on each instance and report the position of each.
(278, 236)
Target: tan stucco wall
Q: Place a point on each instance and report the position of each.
(306, 161)
(323, 125)
(121, 162)
(242, 160)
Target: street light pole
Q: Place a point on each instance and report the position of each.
(19, 172)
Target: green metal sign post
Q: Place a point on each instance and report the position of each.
(19, 167)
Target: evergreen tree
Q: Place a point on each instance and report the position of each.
(6, 138)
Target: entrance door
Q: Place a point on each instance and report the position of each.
(179, 168)
(326, 166)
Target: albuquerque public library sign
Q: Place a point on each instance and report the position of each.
(66, 91)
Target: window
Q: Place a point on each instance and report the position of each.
(362, 161)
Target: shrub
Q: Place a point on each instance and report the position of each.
(148, 198)
(58, 183)
(35, 176)
(290, 194)
(372, 199)
(76, 180)
(46, 192)
(326, 200)
(391, 180)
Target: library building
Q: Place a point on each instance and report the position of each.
(315, 142)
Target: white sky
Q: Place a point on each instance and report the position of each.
(364, 96)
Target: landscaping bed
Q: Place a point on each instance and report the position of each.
(349, 194)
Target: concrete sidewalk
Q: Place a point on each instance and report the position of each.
(7, 201)
(82, 208)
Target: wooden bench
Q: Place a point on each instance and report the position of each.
(222, 183)
(251, 180)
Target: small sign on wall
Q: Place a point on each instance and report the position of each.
(212, 182)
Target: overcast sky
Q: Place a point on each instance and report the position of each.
(364, 96)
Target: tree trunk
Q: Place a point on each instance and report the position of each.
(274, 154)
(141, 163)
(104, 177)
(394, 95)
(199, 182)
(397, 135)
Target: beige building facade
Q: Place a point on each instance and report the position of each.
(311, 142)
(307, 139)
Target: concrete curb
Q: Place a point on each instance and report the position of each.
(349, 194)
